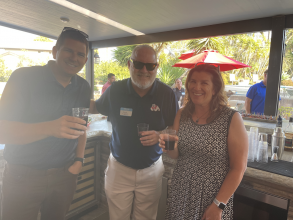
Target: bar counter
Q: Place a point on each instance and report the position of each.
(267, 182)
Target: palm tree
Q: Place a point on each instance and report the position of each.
(199, 45)
(168, 74)
(123, 53)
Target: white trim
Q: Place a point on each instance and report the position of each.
(96, 16)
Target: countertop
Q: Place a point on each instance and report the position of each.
(264, 127)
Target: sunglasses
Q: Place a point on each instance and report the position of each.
(73, 29)
(139, 65)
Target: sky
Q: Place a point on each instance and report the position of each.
(11, 35)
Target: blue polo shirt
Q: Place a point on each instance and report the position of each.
(157, 108)
(257, 93)
(33, 95)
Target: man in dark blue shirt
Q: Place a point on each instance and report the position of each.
(43, 148)
(133, 177)
(255, 97)
(179, 91)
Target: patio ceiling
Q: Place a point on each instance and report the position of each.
(149, 16)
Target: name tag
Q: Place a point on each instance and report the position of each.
(183, 93)
(126, 112)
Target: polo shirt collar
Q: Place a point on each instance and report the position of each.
(132, 91)
(262, 85)
(50, 76)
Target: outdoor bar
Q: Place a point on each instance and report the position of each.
(265, 191)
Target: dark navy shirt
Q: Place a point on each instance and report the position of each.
(33, 95)
(157, 108)
(179, 93)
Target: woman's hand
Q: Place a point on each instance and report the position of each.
(213, 212)
(75, 168)
(162, 142)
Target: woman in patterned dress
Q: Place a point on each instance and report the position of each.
(211, 152)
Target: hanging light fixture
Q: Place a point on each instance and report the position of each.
(97, 58)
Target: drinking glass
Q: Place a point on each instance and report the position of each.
(142, 127)
(250, 157)
(169, 136)
(262, 152)
(254, 140)
(81, 113)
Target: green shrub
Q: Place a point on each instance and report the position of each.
(285, 112)
(105, 67)
(168, 74)
(287, 82)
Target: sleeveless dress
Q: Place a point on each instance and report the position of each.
(201, 168)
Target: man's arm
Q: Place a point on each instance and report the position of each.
(77, 166)
(12, 132)
(13, 106)
(249, 96)
(247, 105)
(93, 109)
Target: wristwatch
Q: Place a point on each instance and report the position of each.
(219, 204)
(79, 159)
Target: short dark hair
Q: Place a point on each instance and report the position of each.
(266, 71)
(74, 35)
(110, 75)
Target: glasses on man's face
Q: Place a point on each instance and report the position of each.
(73, 29)
(139, 65)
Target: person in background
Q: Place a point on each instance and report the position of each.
(179, 91)
(44, 144)
(133, 177)
(211, 151)
(255, 97)
(111, 79)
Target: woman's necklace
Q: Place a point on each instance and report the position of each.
(200, 117)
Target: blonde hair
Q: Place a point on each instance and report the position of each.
(219, 100)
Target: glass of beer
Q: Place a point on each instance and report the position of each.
(142, 127)
(81, 113)
(169, 136)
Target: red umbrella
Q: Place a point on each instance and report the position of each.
(211, 57)
(187, 55)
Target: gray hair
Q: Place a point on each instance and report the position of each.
(143, 46)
